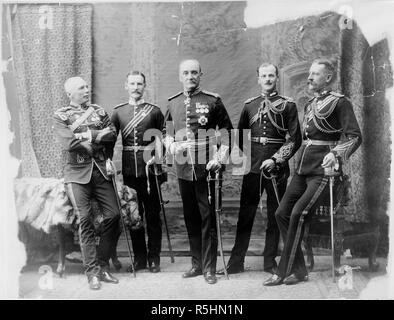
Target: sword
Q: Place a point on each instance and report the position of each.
(272, 175)
(332, 225)
(111, 171)
(161, 205)
(218, 210)
(331, 173)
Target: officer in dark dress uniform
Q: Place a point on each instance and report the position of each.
(328, 116)
(269, 117)
(192, 113)
(85, 133)
(134, 119)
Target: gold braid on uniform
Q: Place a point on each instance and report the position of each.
(324, 126)
(277, 109)
(284, 152)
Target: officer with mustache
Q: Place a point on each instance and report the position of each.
(194, 113)
(269, 117)
(133, 119)
(328, 117)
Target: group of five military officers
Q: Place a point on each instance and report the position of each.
(197, 139)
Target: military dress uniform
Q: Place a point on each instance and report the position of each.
(85, 177)
(195, 117)
(327, 117)
(269, 117)
(133, 120)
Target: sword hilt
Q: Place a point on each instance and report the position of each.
(274, 173)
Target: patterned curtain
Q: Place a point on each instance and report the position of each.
(365, 73)
(51, 43)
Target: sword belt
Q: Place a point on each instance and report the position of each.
(309, 142)
(266, 140)
(137, 148)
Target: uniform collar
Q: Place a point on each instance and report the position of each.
(322, 94)
(269, 95)
(136, 103)
(76, 105)
(188, 94)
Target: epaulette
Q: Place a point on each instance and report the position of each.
(336, 94)
(95, 106)
(175, 95)
(252, 99)
(120, 105)
(211, 93)
(287, 98)
(152, 104)
(63, 109)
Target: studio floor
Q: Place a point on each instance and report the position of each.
(169, 284)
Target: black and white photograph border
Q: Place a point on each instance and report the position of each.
(231, 40)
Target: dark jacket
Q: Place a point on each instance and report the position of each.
(327, 118)
(81, 155)
(276, 119)
(202, 111)
(133, 163)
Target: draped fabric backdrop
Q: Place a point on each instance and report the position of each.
(102, 42)
(47, 51)
(365, 74)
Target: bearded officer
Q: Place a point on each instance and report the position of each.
(269, 117)
(328, 117)
(87, 135)
(134, 119)
(195, 114)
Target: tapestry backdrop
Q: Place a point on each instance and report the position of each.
(48, 49)
(365, 74)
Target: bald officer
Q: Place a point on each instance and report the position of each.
(86, 134)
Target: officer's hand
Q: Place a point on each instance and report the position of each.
(213, 165)
(329, 160)
(84, 135)
(267, 165)
(176, 148)
(78, 136)
(88, 147)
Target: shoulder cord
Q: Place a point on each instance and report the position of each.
(321, 115)
(279, 112)
(324, 127)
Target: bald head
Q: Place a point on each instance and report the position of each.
(71, 83)
(188, 62)
(77, 90)
(190, 74)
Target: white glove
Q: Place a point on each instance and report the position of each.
(213, 165)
